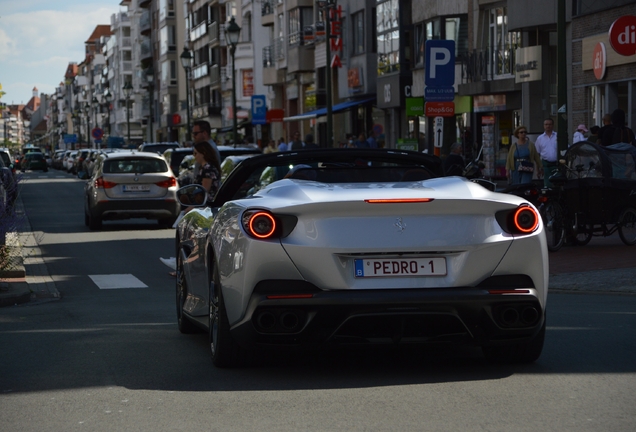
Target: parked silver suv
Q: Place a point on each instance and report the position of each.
(127, 185)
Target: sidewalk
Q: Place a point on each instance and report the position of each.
(27, 278)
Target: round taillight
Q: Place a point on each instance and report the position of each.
(526, 219)
(261, 225)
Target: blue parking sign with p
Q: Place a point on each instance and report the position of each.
(259, 109)
(440, 63)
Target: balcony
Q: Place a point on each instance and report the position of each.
(213, 32)
(119, 19)
(126, 42)
(279, 49)
(144, 23)
(145, 49)
(300, 59)
(267, 13)
(215, 74)
(126, 67)
(200, 71)
(488, 65)
(199, 31)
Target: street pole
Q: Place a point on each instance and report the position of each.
(234, 122)
(128, 119)
(88, 124)
(562, 82)
(328, 73)
(151, 137)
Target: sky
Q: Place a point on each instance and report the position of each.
(39, 38)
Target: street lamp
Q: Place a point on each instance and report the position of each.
(87, 112)
(232, 32)
(95, 104)
(150, 78)
(187, 61)
(128, 88)
(107, 98)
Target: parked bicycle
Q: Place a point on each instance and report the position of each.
(594, 194)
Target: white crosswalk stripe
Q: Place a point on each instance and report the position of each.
(117, 281)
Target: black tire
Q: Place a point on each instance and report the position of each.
(627, 226)
(524, 352)
(583, 236)
(86, 219)
(94, 222)
(185, 325)
(224, 351)
(554, 225)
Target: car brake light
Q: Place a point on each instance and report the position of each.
(526, 219)
(260, 224)
(101, 183)
(398, 200)
(171, 182)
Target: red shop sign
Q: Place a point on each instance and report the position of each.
(622, 35)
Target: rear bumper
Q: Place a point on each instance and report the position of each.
(160, 208)
(479, 316)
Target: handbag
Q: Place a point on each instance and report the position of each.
(524, 164)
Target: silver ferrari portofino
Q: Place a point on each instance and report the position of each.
(335, 247)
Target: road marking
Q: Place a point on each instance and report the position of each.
(117, 281)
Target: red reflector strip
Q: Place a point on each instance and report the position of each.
(509, 291)
(289, 296)
(398, 200)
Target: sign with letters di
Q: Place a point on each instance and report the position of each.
(440, 63)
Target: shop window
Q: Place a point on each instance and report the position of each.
(388, 36)
(501, 45)
(357, 34)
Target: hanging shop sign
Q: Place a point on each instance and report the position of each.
(528, 64)
(335, 27)
(599, 62)
(622, 35)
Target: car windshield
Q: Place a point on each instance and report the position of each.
(137, 165)
(354, 171)
(35, 156)
(5, 158)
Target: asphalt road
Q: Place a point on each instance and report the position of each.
(113, 360)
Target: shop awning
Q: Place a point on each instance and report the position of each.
(323, 111)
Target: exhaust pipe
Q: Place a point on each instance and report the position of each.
(529, 316)
(266, 320)
(509, 316)
(289, 320)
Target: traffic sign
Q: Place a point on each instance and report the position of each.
(440, 109)
(438, 131)
(259, 109)
(439, 94)
(70, 138)
(440, 63)
(97, 133)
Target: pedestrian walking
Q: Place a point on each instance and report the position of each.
(617, 132)
(523, 158)
(546, 146)
(579, 134)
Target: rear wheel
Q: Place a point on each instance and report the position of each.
(583, 235)
(627, 226)
(94, 222)
(525, 352)
(553, 219)
(185, 325)
(225, 352)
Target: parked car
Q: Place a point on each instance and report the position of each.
(80, 159)
(9, 176)
(69, 161)
(34, 161)
(158, 148)
(334, 247)
(131, 184)
(174, 157)
(58, 158)
(186, 168)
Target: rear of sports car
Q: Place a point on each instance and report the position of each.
(442, 260)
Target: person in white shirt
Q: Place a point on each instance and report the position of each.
(546, 146)
(578, 135)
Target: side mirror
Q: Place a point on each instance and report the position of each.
(193, 195)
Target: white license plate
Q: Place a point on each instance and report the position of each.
(136, 188)
(400, 267)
